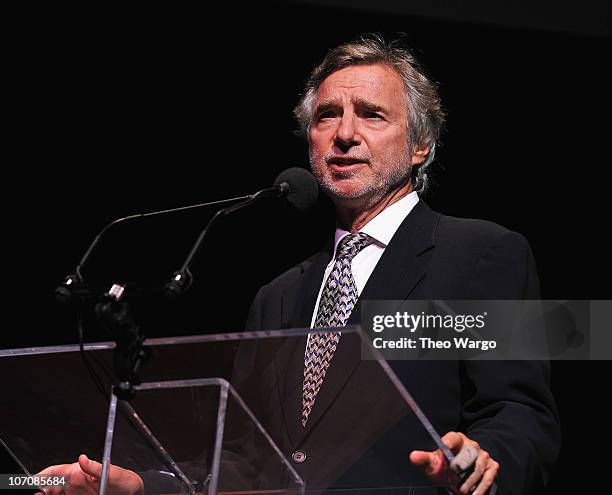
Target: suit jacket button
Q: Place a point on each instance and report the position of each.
(298, 456)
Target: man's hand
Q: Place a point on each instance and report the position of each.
(435, 465)
(83, 478)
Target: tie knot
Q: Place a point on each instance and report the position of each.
(351, 244)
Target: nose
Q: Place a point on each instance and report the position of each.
(346, 133)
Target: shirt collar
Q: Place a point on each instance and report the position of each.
(384, 225)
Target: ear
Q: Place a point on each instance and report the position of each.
(419, 155)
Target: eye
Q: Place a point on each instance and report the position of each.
(326, 115)
(373, 115)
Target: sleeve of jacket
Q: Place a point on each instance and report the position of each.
(508, 407)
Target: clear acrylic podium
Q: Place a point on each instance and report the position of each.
(218, 414)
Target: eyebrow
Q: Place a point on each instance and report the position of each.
(326, 105)
(368, 106)
(360, 103)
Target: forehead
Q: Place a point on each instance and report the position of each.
(377, 82)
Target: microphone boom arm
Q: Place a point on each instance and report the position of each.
(73, 283)
(95, 242)
(182, 279)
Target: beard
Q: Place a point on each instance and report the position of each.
(390, 172)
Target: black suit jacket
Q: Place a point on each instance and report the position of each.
(506, 406)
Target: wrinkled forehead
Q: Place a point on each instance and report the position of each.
(376, 83)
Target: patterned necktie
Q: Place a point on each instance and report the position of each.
(338, 298)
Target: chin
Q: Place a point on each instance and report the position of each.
(344, 185)
(345, 190)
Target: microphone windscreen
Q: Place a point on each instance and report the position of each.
(303, 187)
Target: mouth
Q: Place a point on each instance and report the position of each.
(346, 164)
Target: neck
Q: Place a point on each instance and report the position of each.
(353, 217)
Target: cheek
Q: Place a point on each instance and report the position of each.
(316, 139)
(388, 153)
(394, 145)
(318, 144)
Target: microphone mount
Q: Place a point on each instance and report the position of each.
(115, 314)
(112, 308)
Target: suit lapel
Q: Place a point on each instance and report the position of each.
(297, 305)
(401, 266)
(396, 275)
(299, 299)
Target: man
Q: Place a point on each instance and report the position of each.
(372, 120)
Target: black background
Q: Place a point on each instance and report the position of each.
(122, 112)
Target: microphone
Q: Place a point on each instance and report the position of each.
(297, 185)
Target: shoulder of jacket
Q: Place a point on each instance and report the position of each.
(289, 276)
(473, 229)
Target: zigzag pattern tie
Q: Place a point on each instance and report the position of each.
(337, 301)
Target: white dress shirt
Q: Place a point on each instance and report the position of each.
(381, 229)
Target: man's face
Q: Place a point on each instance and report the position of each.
(359, 134)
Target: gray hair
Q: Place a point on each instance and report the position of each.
(425, 114)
